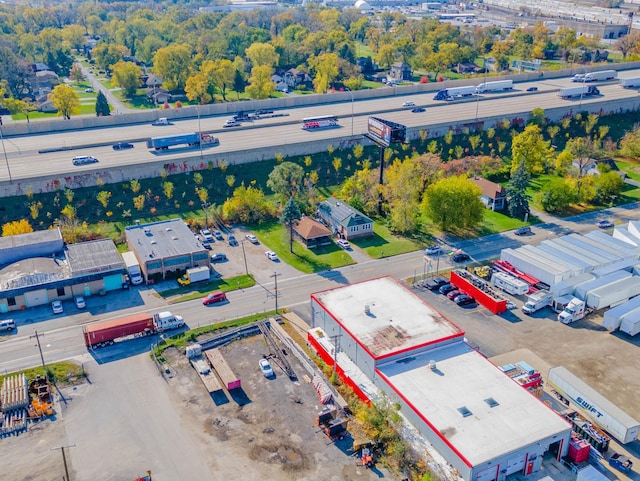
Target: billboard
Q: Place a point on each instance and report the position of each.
(379, 130)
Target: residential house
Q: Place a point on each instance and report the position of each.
(294, 78)
(158, 95)
(493, 195)
(311, 233)
(465, 68)
(345, 221)
(588, 166)
(400, 71)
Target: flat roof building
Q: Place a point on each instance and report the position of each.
(482, 422)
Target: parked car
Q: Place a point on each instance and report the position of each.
(464, 300)
(446, 289)
(122, 146)
(433, 251)
(436, 283)
(532, 89)
(605, 224)
(265, 367)
(206, 235)
(453, 294)
(526, 230)
(213, 297)
(218, 257)
(418, 110)
(460, 257)
(218, 235)
(252, 238)
(272, 256)
(57, 308)
(343, 243)
(232, 240)
(88, 90)
(408, 104)
(80, 303)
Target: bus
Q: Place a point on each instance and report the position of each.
(323, 122)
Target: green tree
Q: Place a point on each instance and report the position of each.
(630, 143)
(454, 203)
(262, 54)
(608, 186)
(401, 191)
(247, 205)
(106, 55)
(582, 152)
(66, 100)
(516, 189)
(558, 197)
(530, 148)
(173, 64)
(285, 180)
(102, 106)
(16, 106)
(260, 84)
(239, 83)
(537, 117)
(361, 190)
(290, 213)
(126, 75)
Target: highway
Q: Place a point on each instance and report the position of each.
(22, 152)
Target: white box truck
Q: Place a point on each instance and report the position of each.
(630, 83)
(195, 274)
(537, 300)
(133, 268)
(497, 86)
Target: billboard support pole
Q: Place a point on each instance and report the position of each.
(380, 181)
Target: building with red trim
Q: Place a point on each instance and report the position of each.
(480, 420)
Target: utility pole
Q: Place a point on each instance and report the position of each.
(275, 277)
(244, 255)
(37, 336)
(64, 460)
(205, 206)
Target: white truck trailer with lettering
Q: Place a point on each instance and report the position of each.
(594, 405)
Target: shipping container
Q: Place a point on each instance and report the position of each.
(613, 294)
(566, 288)
(548, 274)
(623, 265)
(571, 253)
(108, 331)
(595, 406)
(582, 290)
(613, 317)
(630, 83)
(631, 323)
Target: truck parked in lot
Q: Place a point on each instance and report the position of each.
(455, 92)
(602, 75)
(580, 91)
(143, 324)
(497, 86)
(537, 300)
(574, 311)
(630, 83)
(509, 284)
(195, 274)
(193, 139)
(133, 268)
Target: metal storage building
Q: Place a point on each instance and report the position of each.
(554, 258)
(623, 265)
(605, 249)
(623, 234)
(567, 287)
(482, 422)
(587, 250)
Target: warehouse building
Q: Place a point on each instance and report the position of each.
(165, 249)
(37, 268)
(482, 422)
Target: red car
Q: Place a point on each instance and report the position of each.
(453, 294)
(217, 296)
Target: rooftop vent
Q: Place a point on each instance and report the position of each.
(147, 231)
(153, 242)
(432, 365)
(174, 238)
(492, 402)
(464, 411)
(367, 309)
(168, 229)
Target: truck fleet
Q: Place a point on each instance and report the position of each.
(143, 324)
(580, 91)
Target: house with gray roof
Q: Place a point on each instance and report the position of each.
(345, 221)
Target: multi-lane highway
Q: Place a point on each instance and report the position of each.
(22, 152)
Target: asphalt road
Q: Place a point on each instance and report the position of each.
(22, 152)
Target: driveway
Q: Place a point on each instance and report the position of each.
(117, 106)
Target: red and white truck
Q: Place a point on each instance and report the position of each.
(142, 324)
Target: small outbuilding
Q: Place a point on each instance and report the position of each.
(311, 233)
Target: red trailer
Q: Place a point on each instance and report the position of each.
(108, 331)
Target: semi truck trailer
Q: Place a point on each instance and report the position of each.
(497, 86)
(630, 83)
(142, 324)
(582, 90)
(602, 75)
(192, 139)
(455, 92)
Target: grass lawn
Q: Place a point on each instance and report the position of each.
(62, 372)
(631, 167)
(385, 244)
(276, 237)
(195, 291)
(495, 222)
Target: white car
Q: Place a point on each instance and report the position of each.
(57, 307)
(272, 256)
(432, 251)
(251, 238)
(266, 368)
(343, 243)
(409, 104)
(206, 235)
(80, 303)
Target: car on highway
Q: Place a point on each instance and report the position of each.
(56, 307)
(272, 256)
(460, 257)
(84, 160)
(418, 110)
(433, 251)
(436, 283)
(446, 289)
(231, 123)
(252, 238)
(266, 368)
(532, 89)
(526, 230)
(218, 257)
(343, 244)
(214, 297)
(408, 104)
(605, 224)
(451, 295)
(122, 146)
(80, 302)
(464, 300)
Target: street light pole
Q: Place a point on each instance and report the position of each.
(484, 66)
(351, 92)
(199, 130)
(6, 159)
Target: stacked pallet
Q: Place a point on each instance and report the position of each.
(14, 393)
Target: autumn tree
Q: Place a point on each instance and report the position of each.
(260, 84)
(608, 186)
(361, 190)
(126, 75)
(262, 54)
(530, 148)
(630, 144)
(16, 227)
(173, 64)
(66, 100)
(106, 55)
(285, 180)
(16, 106)
(76, 73)
(558, 196)
(247, 205)
(401, 191)
(454, 203)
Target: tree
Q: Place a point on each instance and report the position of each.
(16, 106)
(628, 43)
(239, 83)
(262, 54)
(630, 143)
(126, 75)
(529, 148)
(76, 73)
(325, 67)
(247, 205)
(107, 55)
(558, 197)
(173, 64)
(66, 100)
(537, 117)
(582, 152)
(401, 190)
(102, 106)
(198, 87)
(608, 186)
(517, 198)
(16, 227)
(361, 190)
(454, 203)
(222, 74)
(290, 213)
(285, 180)
(260, 84)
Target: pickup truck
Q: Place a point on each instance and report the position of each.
(620, 462)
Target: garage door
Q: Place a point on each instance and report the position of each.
(36, 298)
(515, 464)
(488, 474)
(113, 283)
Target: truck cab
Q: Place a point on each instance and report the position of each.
(166, 320)
(575, 310)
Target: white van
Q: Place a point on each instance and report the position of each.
(84, 159)
(7, 325)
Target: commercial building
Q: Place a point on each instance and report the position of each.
(165, 249)
(481, 421)
(37, 268)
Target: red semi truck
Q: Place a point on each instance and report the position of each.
(106, 332)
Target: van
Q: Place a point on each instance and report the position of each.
(7, 325)
(84, 159)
